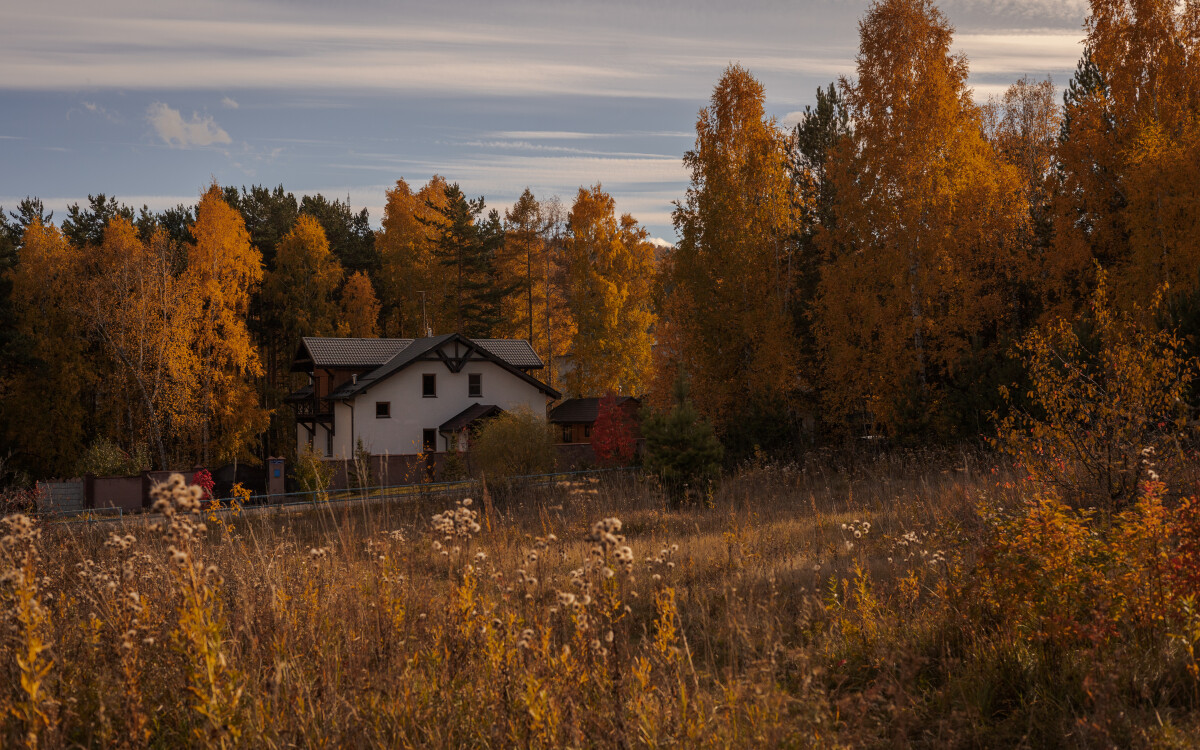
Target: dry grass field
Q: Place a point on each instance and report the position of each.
(918, 599)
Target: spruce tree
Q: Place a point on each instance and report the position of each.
(681, 446)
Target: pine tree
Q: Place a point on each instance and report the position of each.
(681, 446)
(465, 250)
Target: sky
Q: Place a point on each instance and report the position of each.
(151, 102)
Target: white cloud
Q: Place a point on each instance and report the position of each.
(170, 126)
(228, 103)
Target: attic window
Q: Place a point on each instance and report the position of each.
(474, 385)
(429, 385)
(383, 409)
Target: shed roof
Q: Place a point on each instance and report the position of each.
(472, 413)
(582, 410)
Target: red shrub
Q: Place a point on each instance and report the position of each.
(613, 436)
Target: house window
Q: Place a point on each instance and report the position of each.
(474, 385)
(566, 433)
(429, 441)
(329, 443)
(429, 385)
(383, 409)
(587, 432)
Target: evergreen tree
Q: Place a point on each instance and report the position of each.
(466, 250)
(681, 446)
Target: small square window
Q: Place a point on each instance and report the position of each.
(474, 385)
(383, 409)
(429, 385)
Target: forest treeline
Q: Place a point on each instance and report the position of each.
(868, 271)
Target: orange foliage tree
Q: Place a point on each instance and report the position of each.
(1103, 403)
(1130, 195)
(533, 261)
(411, 289)
(130, 304)
(610, 269)
(44, 408)
(728, 283)
(360, 308)
(927, 222)
(222, 270)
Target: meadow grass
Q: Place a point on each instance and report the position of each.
(903, 599)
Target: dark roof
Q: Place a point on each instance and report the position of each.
(472, 413)
(420, 347)
(303, 394)
(353, 353)
(516, 352)
(581, 410)
(366, 354)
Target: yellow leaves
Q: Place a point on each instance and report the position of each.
(360, 308)
(303, 283)
(609, 269)
(927, 218)
(731, 276)
(1102, 403)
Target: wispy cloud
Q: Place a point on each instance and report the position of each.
(175, 131)
(229, 103)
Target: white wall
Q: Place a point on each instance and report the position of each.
(411, 413)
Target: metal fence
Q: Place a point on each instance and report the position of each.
(333, 498)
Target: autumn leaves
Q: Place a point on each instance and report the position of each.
(880, 263)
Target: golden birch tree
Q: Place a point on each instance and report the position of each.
(360, 308)
(129, 303)
(610, 271)
(726, 302)
(1130, 144)
(927, 219)
(222, 271)
(303, 284)
(44, 409)
(411, 289)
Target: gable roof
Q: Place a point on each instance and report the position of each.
(352, 353)
(581, 410)
(418, 348)
(366, 354)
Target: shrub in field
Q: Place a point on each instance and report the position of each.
(312, 473)
(513, 444)
(681, 447)
(105, 458)
(613, 438)
(455, 468)
(360, 469)
(1101, 394)
(204, 480)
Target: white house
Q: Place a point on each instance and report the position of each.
(409, 396)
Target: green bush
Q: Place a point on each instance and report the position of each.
(514, 444)
(104, 458)
(313, 474)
